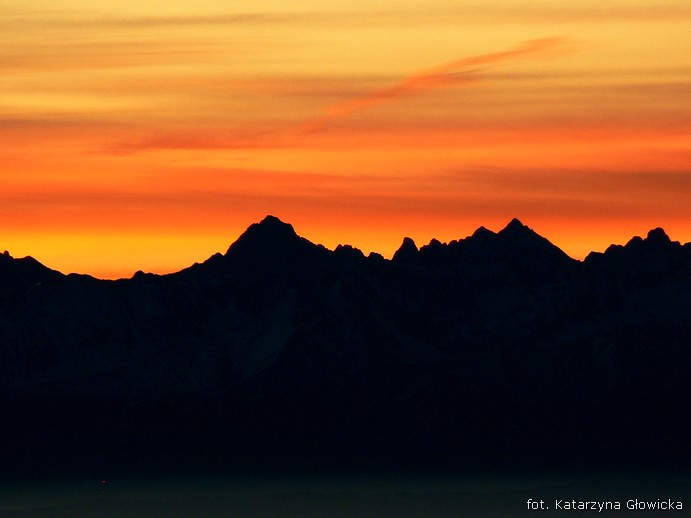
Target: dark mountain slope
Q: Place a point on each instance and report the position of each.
(493, 350)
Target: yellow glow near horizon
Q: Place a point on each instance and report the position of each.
(145, 135)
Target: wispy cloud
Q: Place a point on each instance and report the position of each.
(467, 13)
(530, 11)
(198, 140)
(456, 73)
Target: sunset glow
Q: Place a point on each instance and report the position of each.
(150, 135)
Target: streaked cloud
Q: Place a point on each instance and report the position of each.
(453, 74)
(125, 119)
(440, 13)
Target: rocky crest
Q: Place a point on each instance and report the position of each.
(483, 349)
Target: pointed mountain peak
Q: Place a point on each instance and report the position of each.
(433, 247)
(25, 262)
(658, 236)
(270, 232)
(348, 251)
(483, 232)
(515, 226)
(634, 242)
(271, 244)
(522, 240)
(656, 241)
(271, 225)
(16, 271)
(408, 243)
(516, 231)
(641, 253)
(407, 250)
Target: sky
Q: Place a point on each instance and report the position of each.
(149, 135)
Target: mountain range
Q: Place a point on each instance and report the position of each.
(495, 351)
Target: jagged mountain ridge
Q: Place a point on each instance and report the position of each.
(272, 274)
(281, 332)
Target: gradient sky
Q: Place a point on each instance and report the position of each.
(149, 135)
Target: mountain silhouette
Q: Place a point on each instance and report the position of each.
(269, 239)
(23, 273)
(407, 251)
(493, 350)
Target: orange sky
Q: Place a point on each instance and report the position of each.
(149, 136)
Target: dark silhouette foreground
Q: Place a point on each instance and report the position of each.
(494, 352)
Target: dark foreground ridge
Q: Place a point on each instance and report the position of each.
(496, 351)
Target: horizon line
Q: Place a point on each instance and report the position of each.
(268, 217)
